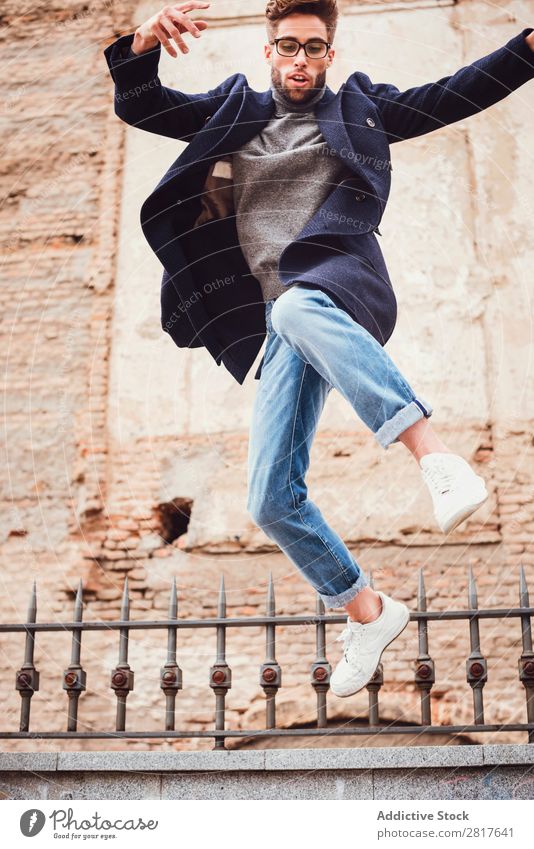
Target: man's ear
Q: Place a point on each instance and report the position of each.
(268, 52)
(331, 54)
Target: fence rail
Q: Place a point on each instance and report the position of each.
(270, 673)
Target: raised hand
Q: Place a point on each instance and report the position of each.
(169, 23)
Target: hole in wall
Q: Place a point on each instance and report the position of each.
(173, 517)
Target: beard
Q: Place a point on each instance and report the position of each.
(297, 95)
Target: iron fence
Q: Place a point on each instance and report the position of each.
(270, 673)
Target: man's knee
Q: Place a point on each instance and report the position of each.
(267, 511)
(284, 313)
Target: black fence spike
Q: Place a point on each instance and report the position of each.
(125, 605)
(476, 665)
(472, 594)
(78, 603)
(320, 670)
(221, 606)
(74, 677)
(425, 670)
(270, 671)
(524, 597)
(173, 600)
(32, 606)
(170, 673)
(271, 607)
(526, 661)
(27, 677)
(421, 590)
(220, 679)
(122, 677)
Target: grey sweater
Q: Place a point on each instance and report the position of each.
(281, 177)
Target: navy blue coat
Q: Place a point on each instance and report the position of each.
(208, 294)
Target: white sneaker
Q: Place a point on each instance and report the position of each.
(455, 488)
(364, 644)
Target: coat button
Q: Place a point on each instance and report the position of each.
(370, 122)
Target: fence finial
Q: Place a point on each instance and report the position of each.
(173, 600)
(32, 607)
(523, 588)
(472, 594)
(270, 607)
(125, 606)
(221, 608)
(78, 604)
(421, 590)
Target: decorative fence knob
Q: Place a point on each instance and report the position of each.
(320, 673)
(218, 677)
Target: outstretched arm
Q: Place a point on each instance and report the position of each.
(422, 109)
(140, 98)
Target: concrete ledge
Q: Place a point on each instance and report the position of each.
(417, 757)
(421, 772)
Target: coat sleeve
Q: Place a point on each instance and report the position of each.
(142, 101)
(424, 108)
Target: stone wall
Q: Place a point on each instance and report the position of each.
(107, 422)
(464, 772)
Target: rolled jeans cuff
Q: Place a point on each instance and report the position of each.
(390, 430)
(343, 598)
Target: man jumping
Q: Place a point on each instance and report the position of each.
(304, 215)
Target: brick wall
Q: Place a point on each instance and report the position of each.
(106, 422)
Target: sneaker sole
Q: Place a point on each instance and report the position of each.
(461, 515)
(362, 686)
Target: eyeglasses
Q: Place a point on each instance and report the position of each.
(315, 49)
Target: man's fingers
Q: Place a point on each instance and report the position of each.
(182, 8)
(172, 21)
(174, 33)
(182, 24)
(163, 36)
(199, 26)
(186, 23)
(188, 7)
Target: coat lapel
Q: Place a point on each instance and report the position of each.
(244, 114)
(355, 143)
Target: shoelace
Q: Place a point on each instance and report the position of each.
(350, 638)
(440, 477)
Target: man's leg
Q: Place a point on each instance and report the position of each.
(289, 401)
(420, 438)
(350, 359)
(346, 355)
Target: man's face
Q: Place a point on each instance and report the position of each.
(284, 69)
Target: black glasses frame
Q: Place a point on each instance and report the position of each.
(327, 44)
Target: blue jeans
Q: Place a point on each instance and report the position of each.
(312, 346)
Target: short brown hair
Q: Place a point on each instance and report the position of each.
(324, 9)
